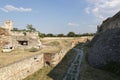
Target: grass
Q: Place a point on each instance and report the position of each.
(41, 74)
(51, 46)
(55, 42)
(56, 73)
(19, 54)
(60, 70)
(7, 58)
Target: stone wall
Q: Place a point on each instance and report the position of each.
(53, 59)
(8, 24)
(22, 33)
(31, 42)
(32, 39)
(104, 49)
(21, 69)
(59, 56)
(4, 37)
(4, 40)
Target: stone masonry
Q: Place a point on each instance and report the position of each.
(21, 69)
(19, 38)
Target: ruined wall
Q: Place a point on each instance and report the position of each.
(31, 37)
(21, 33)
(53, 59)
(21, 69)
(4, 37)
(59, 56)
(8, 24)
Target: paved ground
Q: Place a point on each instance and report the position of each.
(74, 69)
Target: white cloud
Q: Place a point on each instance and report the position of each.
(87, 10)
(103, 8)
(72, 24)
(10, 8)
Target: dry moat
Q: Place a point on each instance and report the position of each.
(24, 53)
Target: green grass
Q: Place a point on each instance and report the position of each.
(40, 75)
(56, 73)
(54, 43)
(60, 70)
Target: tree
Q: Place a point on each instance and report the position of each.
(71, 34)
(30, 27)
(50, 35)
(77, 35)
(42, 35)
(15, 29)
(88, 34)
(60, 35)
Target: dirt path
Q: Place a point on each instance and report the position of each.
(74, 69)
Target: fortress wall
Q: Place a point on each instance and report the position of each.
(21, 33)
(84, 37)
(21, 69)
(59, 56)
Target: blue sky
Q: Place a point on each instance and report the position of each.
(58, 16)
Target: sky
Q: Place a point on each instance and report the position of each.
(58, 16)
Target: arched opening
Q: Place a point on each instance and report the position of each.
(47, 63)
(23, 42)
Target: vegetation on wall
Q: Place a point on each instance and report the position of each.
(29, 28)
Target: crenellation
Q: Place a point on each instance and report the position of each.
(8, 24)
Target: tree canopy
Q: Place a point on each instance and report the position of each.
(30, 27)
(71, 34)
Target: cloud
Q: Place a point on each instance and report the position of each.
(72, 24)
(102, 8)
(87, 10)
(10, 8)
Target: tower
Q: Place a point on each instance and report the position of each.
(8, 24)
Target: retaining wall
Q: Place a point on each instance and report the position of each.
(59, 56)
(21, 69)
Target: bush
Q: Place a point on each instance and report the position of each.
(33, 49)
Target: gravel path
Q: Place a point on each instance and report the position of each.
(74, 69)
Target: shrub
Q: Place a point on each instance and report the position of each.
(33, 49)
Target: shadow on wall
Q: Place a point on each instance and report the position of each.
(60, 70)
